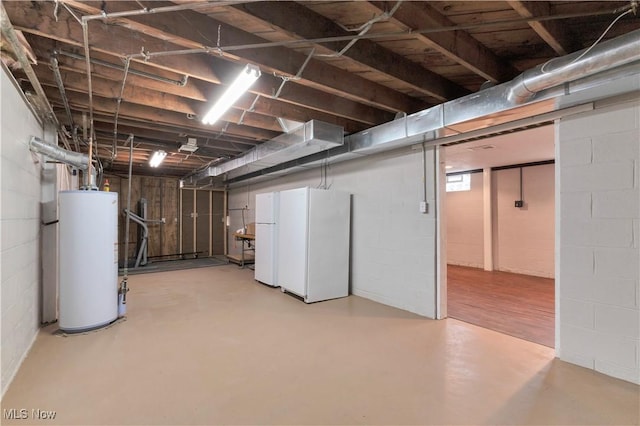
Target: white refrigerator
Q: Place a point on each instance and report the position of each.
(313, 243)
(266, 243)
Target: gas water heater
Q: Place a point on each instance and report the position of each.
(88, 259)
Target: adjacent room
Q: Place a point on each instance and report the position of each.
(500, 233)
(349, 212)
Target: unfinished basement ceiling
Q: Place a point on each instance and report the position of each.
(307, 74)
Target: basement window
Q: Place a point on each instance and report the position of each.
(459, 182)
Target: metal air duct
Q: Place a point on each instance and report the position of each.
(606, 55)
(583, 69)
(528, 87)
(75, 159)
(312, 137)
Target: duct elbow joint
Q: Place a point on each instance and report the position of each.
(518, 93)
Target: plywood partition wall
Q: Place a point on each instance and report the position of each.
(202, 216)
(162, 195)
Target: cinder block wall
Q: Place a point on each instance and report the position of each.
(599, 300)
(19, 229)
(465, 232)
(392, 243)
(524, 237)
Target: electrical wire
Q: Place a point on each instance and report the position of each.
(362, 30)
(603, 34)
(298, 75)
(326, 174)
(595, 43)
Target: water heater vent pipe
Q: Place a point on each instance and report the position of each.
(72, 158)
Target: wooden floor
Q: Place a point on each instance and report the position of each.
(518, 305)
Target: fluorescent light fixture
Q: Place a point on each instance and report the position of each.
(247, 77)
(157, 158)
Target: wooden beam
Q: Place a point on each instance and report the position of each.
(141, 96)
(178, 162)
(195, 89)
(142, 141)
(262, 116)
(187, 31)
(191, 90)
(305, 99)
(170, 140)
(163, 171)
(340, 112)
(458, 46)
(142, 151)
(552, 32)
(39, 19)
(128, 126)
(304, 96)
(290, 111)
(309, 24)
(234, 143)
(155, 115)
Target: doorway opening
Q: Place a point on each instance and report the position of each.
(500, 215)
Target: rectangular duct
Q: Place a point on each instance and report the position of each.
(561, 76)
(401, 132)
(314, 136)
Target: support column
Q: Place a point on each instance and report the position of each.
(440, 180)
(487, 219)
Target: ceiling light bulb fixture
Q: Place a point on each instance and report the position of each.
(157, 158)
(248, 76)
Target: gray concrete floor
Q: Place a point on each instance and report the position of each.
(212, 346)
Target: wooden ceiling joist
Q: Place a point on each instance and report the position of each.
(141, 96)
(109, 39)
(202, 91)
(107, 105)
(229, 145)
(191, 56)
(184, 31)
(311, 25)
(552, 32)
(459, 46)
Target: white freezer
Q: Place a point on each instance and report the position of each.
(266, 207)
(292, 241)
(313, 243)
(266, 238)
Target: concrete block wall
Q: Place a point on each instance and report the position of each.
(392, 243)
(524, 237)
(465, 233)
(599, 212)
(19, 229)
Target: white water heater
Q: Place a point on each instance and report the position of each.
(88, 259)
